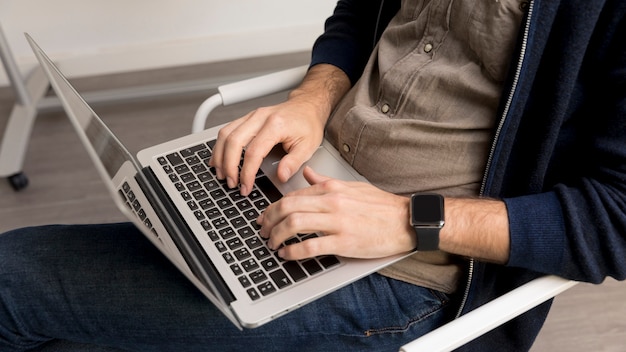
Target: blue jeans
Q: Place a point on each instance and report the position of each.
(106, 285)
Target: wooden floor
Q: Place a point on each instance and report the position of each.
(64, 187)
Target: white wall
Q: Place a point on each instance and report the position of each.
(87, 37)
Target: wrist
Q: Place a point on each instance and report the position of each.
(323, 87)
(476, 228)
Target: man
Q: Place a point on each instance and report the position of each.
(514, 111)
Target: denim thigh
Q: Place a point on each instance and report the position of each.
(106, 285)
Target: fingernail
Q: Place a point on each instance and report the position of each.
(286, 174)
(244, 190)
(231, 183)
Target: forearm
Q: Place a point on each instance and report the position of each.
(323, 87)
(476, 228)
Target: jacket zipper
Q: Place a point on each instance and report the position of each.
(509, 101)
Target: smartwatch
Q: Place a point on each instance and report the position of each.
(427, 218)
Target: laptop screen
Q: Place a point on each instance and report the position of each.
(108, 149)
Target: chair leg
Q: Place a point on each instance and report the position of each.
(18, 130)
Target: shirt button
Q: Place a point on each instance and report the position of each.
(428, 48)
(346, 148)
(385, 108)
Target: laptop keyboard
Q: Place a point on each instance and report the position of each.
(229, 220)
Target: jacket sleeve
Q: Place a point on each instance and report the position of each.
(576, 227)
(351, 33)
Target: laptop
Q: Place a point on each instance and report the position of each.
(206, 229)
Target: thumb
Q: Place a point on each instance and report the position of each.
(291, 162)
(313, 177)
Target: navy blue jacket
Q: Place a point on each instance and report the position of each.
(558, 158)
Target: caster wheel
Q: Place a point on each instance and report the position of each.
(18, 181)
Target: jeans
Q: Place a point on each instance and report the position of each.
(106, 285)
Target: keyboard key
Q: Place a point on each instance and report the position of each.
(217, 194)
(220, 246)
(211, 185)
(269, 264)
(188, 177)
(261, 253)
(200, 195)
(254, 295)
(244, 281)
(227, 233)
(241, 254)
(244, 204)
(236, 269)
(205, 176)
(268, 188)
(223, 203)
(295, 271)
(174, 159)
(193, 160)
(194, 186)
(219, 223)
(234, 243)
(206, 203)
(266, 288)
(198, 168)
(254, 242)
(204, 154)
(213, 213)
(238, 222)
(206, 225)
(251, 214)
(187, 152)
(261, 204)
(231, 212)
(245, 232)
(250, 265)
(328, 261)
(311, 266)
(213, 235)
(258, 276)
(280, 279)
(181, 169)
(228, 258)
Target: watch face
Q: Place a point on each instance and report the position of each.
(427, 209)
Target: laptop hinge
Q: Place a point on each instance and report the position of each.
(183, 237)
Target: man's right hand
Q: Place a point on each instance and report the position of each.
(298, 124)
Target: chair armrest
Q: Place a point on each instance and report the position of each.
(487, 317)
(256, 87)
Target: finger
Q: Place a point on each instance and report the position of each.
(217, 157)
(234, 144)
(312, 177)
(257, 150)
(310, 248)
(302, 222)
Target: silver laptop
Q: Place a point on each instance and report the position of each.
(206, 229)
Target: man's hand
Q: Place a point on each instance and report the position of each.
(357, 220)
(298, 124)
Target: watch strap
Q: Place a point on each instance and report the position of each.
(427, 238)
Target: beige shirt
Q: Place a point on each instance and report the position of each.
(421, 117)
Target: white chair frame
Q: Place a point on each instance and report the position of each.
(459, 331)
